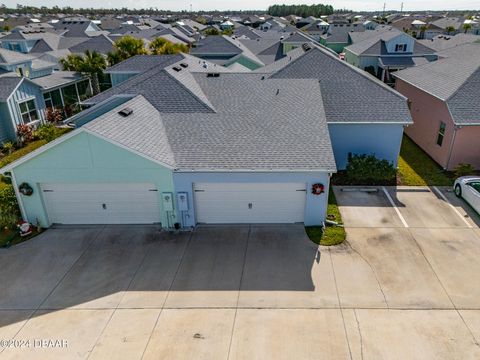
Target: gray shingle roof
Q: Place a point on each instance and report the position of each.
(443, 42)
(161, 89)
(8, 83)
(215, 45)
(291, 135)
(142, 63)
(142, 131)
(453, 80)
(101, 44)
(239, 135)
(349, 94)
(375, 44)
(58, 78)
(12, 57)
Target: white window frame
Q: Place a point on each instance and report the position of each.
(29, 111)
(400, 47)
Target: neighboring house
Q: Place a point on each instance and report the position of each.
(385, 52)
(338, 36)
(44, 86)
(417, 28)
(316, 29)
(101, 44)
(457, 24)
(364, 116)
(199, 149)
(38, 41)
(443, 42)
(77, 27)
(444, 102)
(226, 51)
(21, 102)
(139, 64)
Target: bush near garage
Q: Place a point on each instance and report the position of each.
(9, 210)
(464, 170)
(368, 170)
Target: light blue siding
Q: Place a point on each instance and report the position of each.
(87, 159)
(316, 205)
(382, 140)
(6, 126)
(26, 91)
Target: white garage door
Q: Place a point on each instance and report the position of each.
(250, 203)
(101, 203)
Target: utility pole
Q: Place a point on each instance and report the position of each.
(384, 5)
(191, 7)
(401, 9)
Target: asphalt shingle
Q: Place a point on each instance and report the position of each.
(348, 93)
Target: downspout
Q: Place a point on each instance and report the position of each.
(17, 193)
(450, 150)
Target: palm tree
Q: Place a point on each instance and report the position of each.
(466, 27)
(90, 64)
(449, 29)
(423, 28)
(127, 47)
(161, 46)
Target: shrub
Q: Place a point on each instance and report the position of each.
(7, 147)
(47, 132)
(368, 170)
(24, 133)
(9, 210)
(464, 170)
(53, 115)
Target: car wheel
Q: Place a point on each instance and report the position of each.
(458, 190)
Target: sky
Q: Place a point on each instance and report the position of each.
(356, 5)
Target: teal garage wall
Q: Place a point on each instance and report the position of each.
(85, 158)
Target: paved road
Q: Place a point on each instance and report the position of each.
(404, 286)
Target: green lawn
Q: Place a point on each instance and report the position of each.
(331, 235)
(416, 168)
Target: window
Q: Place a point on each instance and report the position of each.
(400, 47)
(441, 133)
(475, 185)
(28, 111)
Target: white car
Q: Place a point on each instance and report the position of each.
(468, 188)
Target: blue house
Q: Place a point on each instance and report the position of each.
(190, 143)
(29, 86)
(198, 149)
(21, 102)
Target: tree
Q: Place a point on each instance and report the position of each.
(212, 32)
(91, 64)
(161, 46)
(423, 28)
(125, 48)
(449, 29)
(466, 27)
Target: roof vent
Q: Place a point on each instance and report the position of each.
(177, 69)
(306, 47)
(215, 75)
(126, 112)
(184, 65)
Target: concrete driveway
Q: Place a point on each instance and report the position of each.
(404, 286)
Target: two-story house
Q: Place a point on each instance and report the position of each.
(387, 51)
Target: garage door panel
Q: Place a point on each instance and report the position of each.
(270, 203)
(101, 203)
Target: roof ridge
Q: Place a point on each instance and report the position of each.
(209, 105)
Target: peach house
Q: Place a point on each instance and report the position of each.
(444, 100)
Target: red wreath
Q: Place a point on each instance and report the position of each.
(318, 189)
